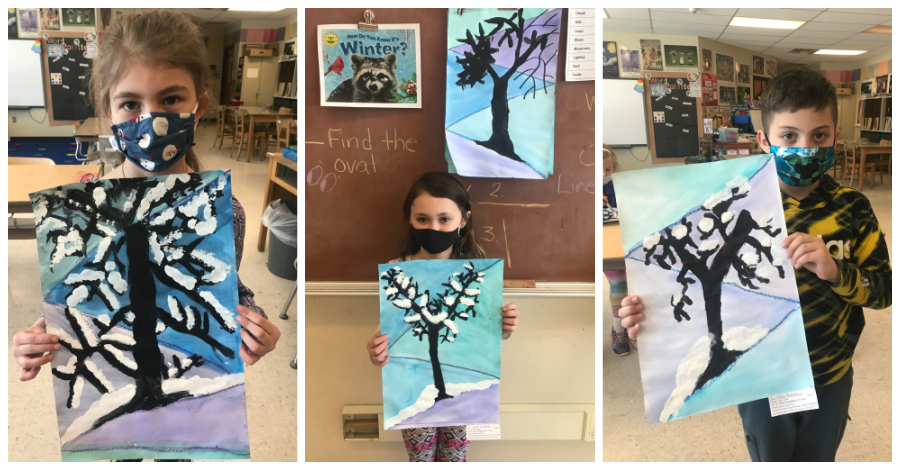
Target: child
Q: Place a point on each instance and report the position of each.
(799, 113)
(618, 286)
(439, 214)
(155, 62)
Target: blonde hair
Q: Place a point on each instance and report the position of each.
(158, 38)
(608, 154)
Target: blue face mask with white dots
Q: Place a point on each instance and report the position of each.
(155, 141)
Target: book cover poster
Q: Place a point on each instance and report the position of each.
(370, 69)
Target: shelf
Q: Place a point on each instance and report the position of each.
(292, 59)
(286, 97)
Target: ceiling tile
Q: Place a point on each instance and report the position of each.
(610, 24)
(875, 37)
(851, 18)
(700, 11)
(748, 38)
(689, 18)
(687, 27)
(758, 31)
(816, 25)
(628, 13)
(888, 22)
(809, 41)
(868, 11)
(820, 34)
(776, 14)
(849, 43)
(749, 47)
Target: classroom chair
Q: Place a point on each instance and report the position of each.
(852, 164)
(839, 153)
(225, 126)
(284, 315)
(283, 134)
(244, 133)
(29, 161)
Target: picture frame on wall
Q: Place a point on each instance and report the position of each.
(727, 94)
(706, 63)
(651, 55)
(725, 68)
(743, 94)
(79, 19)
(12, 23)
(759, 66)
(630, 60)
(743, 74)
(771, 68)
(50, 20)
(680, 57)
(28, 22)
(610, 60)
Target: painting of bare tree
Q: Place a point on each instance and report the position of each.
(723, 324)
(139, 284)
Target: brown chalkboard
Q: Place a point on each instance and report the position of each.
(678, 134)
(360, 162)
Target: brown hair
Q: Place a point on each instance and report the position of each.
(159, 38)
(608, 154)
(442, 184)
(795, 89)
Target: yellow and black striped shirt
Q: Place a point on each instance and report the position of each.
(833, 315)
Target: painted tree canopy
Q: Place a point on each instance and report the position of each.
(139, 283)
(444, 319)
(722, 323)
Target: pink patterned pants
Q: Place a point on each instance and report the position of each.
(450, 443)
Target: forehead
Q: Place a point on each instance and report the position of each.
(803, 119)
(430, 205)
(147, 79)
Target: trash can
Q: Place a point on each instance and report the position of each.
(281, 219)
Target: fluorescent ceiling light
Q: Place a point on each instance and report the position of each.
(761, 23)
(837, 52)
(255, 9)
(603, 12)
(883, 29)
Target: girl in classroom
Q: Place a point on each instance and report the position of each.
(154, 63)
(439, 215)
(618, 287)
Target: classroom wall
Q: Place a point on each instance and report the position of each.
(740, 55)
(847, 104)
(260, 90)
(548, 360)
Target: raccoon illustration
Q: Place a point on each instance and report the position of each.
(372, 82)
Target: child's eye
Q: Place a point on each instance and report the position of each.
(821, 135)
(788, 136)
(421, 220)
(445, 219)
(130, 106)
(171, 101)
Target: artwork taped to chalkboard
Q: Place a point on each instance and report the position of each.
(631, 62)
(143, 301)
(759, 66)
(27, 21)
(680, 57)
(501, 92)
(651, 55)
(703, 253)
(443, 320)
(610, 60)
(724, 67)
(370, 69)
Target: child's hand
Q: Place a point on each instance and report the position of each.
(810, 252)
(631, 315)
(29, 347)
(510, 318)
(605, 200)
(377, 347)
(258, 334)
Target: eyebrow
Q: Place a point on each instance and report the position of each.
(442, 213)
(791, 128)
(131, 95)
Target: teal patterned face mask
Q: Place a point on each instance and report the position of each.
(802, 166)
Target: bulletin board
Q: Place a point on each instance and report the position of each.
(674, 120)
(67, 78)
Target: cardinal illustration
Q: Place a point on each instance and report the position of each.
(337, 67)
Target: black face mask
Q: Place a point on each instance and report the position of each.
(434, 241)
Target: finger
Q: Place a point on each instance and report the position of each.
(509, 328)
(28, 374)
(247, 355)
(251, 315)
(28, 362)
(798, 242)
(630, 310)
(632, 320)
(252, 344)
(633, 331)
(257, 331)
(510, 307)
(801, 251)
(384, 363)
(379, 349)
(380, 356)
(511, 314)
(34, 338)
(630, 300)
(26, 349)
(511, 321)
(807, 261)
(789, 239)
(379, 340)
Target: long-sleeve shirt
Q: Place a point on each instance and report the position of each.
(833, 315)
(610, 194)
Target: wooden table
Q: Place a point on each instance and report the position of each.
(276, 188)
(613, 256)
(865, 150)
(258, 116)
(26, 179)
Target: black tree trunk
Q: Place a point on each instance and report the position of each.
(500, 141)
(436, 364)
(150, 363)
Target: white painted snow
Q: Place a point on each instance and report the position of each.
(63, 248)
(709, 245)
(117, 282)
(76, 391)
(129, 317)
(103, 319)
(679, 231)
(403, 303)
(199, 386)
(99, 374)
(155, 249)
(411, 293)
(164, 216)
(390, 291)
(101, 249)
(50, 223)
(121, 356)
(98, 409)
(77, 295)
(99, 195)
(480, 280)
(172, 179)
(463, 315)
(129, 201)
(473, 292)
(450, 339)
(750, 258)
(110, 297)
(404, 283)
(219, 269)
(455, 285)
(177, 276)
(70, 367)
(717, 198)
(727, 216)
(426, 399)
(86, 275)
(189, 312)
(206, 227)
(651, 240)
(451, 325)
(706, 225)
(467, 267)
(220, 309)
(467, 301)
(151, 197)
(740, 338)
(192, 207)
(118, 338)
(765, 241)
(448, 300)
(40, 211)
(160, 327)
(423, 300)
(63, 336)
(173, 309)
(412, 318)
(676, 297)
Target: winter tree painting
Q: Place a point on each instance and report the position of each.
(444, 320)
(501, 91)
(722, 323)
(139, 283)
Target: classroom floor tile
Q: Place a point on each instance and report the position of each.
(718, 435)
(271, 383)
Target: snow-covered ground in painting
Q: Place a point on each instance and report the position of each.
(181, 414)
(777, 364)
(471, 159)
(472, 403)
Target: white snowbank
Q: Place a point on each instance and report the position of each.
(426, 399)
(201, 386)
(98, 409)
(739, 338)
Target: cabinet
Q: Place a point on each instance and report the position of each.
(286, 79)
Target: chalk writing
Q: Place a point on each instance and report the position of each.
(360, 166)
(506, 241)
(581, 156)
(496, 188)
(489, 231)
(318, 177)
(590, 101)
(574, 188)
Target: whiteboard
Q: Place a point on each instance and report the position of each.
(623, 113)
(26, 84)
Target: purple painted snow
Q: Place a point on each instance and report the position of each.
(545, 23)
(475, 407)
(215, 420)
